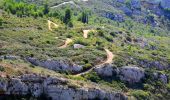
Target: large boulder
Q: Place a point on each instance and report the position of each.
(164, 78)
(131, 74)
(78, 46)
(106, 70)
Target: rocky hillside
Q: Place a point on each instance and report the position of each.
(84, 50)
(52, 88)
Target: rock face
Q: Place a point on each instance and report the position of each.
(78, 46)
(165, 4)
(153, 64)
(55, 65)
(53, 88)
(116, 17)
(106, 70)
(128, 74)
(9, 57)
(131, 74)
(162, 77)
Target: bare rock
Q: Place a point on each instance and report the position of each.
(162, 77)
(78, 46)
(9, 57)
(131, 74)
(53, 88)
(16, 86)
(56, 65)
(106, 70)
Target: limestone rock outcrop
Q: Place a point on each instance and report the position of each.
(106, 70)
(131, 74)
(56, 65)
(53, 88)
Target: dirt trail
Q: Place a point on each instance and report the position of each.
(52, 23)
(86, 32)
(109, 59)
(64, 3)
(66, 43)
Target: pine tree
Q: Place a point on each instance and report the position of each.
(46, 8)
(84, 18)
(67, 17)
(0, 22)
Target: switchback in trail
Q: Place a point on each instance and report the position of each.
(66, 43)
(50, 24)
(109, 59)
(86, 32)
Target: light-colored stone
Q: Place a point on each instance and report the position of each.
(131, 74)
(164, 78)
(78, 46)
(54, 88)
(56, 65)
(106, 70)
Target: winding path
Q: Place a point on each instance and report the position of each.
(86, 32)
(52, 23)
(64, 3)
(66, 43)
(109, 59)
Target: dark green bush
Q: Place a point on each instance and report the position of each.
(119, 62)
(93, 77)
(113, 34)
(128, 38)
(2, 68)
(87, 66)
(0, 21)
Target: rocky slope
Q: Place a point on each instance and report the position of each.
(129, 74)
(53, 88)
(135, 31)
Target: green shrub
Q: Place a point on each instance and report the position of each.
(141, 95)
(101, 33)
(87, 66)
(0, 21)
(113, 34)
(21, 8)
(32, 66)
(128, 38)
(148, 87)
(2, 68)
(168, 86)
(93, 77)
(70, 24)
(83, 42)
(109, 39)
(119, 62)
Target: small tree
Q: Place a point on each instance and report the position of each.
(46, 8)
(84, 18)
(0, 21)
(67, 17)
